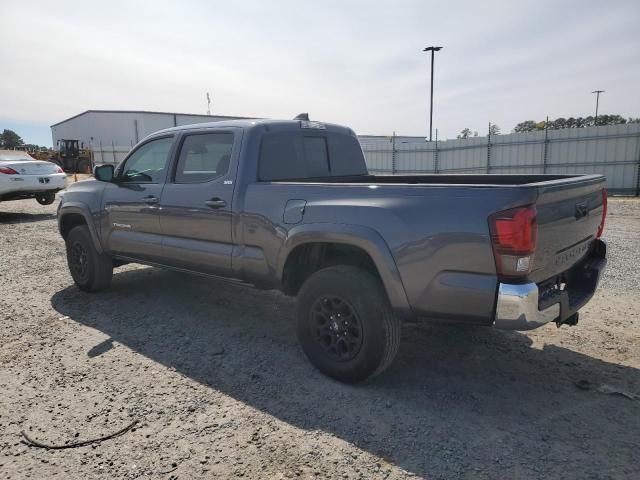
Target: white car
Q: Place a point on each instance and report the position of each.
(21, 176)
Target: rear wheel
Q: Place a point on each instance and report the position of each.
(91, 270)
(46, 198)
(345, 324)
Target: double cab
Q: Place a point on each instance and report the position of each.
(290, 205)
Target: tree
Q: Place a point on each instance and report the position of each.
(10, 139)
(572, 122)
(610, 120)
(494, 130)
(526, 126)
(465, 133)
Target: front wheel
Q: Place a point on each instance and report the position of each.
(345, 324)
(91, 270)
(46, 198)
(83, 165)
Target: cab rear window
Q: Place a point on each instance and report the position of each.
(290, 156)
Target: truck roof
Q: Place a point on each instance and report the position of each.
(257, 123)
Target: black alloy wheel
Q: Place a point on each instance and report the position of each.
(79, 261)
(338, 328)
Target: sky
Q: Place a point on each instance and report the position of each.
(358, 63)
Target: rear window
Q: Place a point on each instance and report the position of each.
(14, 155)
(316, 156)
(346, 156)
(281, 157)
(289, 156)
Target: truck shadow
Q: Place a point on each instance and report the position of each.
(456, 402)
(22, 217)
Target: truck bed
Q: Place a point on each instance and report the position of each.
(564, 235)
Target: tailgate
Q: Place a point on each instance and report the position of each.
(569, 214)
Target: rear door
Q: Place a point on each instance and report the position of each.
(132, 200)
(196, 205)
(569, 213)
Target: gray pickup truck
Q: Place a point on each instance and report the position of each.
(290, 205)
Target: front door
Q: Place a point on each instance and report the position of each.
(131, 202)
(196, 203)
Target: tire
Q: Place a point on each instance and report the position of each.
(83, 165)
(46, 198)
(346, 325)
(91, 271)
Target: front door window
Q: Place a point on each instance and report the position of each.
(148, 164)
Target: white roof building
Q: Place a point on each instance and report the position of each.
(98, 129)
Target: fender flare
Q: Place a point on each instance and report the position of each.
(359, 236)
(68, 208)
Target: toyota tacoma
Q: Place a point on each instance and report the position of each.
(290, 205)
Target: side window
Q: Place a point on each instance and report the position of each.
(204, 157)
(148, 163)
(287, 156)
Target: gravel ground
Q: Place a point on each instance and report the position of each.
(220, 387)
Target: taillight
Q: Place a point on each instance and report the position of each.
(604, 213)
(59, 170)
(8, 171)
(513, 236)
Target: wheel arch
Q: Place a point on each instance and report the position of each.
(73, 214)
(360, 240)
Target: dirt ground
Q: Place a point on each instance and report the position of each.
(221, 389)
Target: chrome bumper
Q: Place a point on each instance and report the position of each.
(517, 308)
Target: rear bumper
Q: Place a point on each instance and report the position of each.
(33, 183)
(530, 305)
(28, 186)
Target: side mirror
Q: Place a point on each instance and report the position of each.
(104, 173)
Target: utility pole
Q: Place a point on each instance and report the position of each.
(432, 50)
(208, 104)
(597, 92)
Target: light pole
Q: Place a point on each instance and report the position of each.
(597, 92)
(432, 50)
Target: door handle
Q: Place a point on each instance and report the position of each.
(215, 203)
(150, 199)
